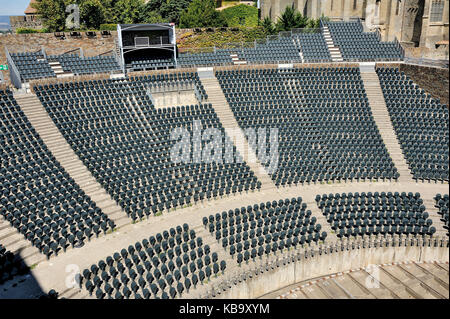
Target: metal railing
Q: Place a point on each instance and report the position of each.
(305, 30)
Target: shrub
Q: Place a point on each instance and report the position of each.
(108, 27)
(201, 14)
(28, 30)
(220, 38)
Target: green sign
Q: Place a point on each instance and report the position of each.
(3, 67)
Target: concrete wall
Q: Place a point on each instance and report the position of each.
(322, 261)
(175, 98)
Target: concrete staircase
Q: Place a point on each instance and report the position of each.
(335, 52)
(326, 227)
(226, 117)
(406, 280)
(59, 72)
(236, 60)
(64, 154)
(301, 56)
(296, 43)
(16, 243)
(383, 121)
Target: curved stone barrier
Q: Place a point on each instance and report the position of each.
(312, 262)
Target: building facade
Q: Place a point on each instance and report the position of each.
(29, 20)
(414, 23)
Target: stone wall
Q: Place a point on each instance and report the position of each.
(293, 268)
(440, 53)
(434, 81)
(25, 22)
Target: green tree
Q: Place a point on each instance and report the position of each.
(172, 9)
(110, 10)
(300, 20)
(268, 26)
(201, 13)
(53, 14)
(129, 11)
(291, 18)
(152, 17)
(287, 20)
(92, 13)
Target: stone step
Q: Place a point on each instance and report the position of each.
(226, 117)
(66, 156)
(382, 119)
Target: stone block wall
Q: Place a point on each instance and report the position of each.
(291, 268)
(25, 22)
(434, 81)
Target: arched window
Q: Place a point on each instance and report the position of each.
(436, 10)
(354, 4)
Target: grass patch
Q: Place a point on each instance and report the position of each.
(158, 214)
(33, 266)
(241, 16)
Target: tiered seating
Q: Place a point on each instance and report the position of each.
(355, 44)
(163, 266)
(376, 214)
(442, 205)
(326, 128)
(32, 66)
(420, 123)
(152, 64)
(173, 81)
(37, 195)
(77, 65)
(313, 47)
(129, 152)
(275, 51)
(220, 57)
(10, 265)
(258, 230)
